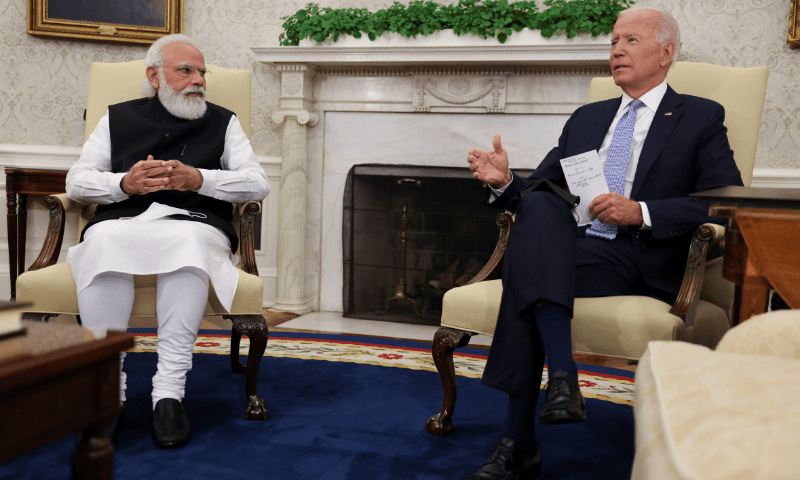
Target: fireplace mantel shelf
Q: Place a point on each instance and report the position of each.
(445, 49)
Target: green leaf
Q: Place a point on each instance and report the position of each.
(485, 18)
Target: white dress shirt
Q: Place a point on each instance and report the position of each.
(644, 118)
(241, 179)
(153, 242)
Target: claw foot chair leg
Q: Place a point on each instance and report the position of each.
(445, 342)
(255, 327)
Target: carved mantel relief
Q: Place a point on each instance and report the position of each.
(459, 93)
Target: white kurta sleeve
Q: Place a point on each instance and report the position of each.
(90, 180)
(241, 179)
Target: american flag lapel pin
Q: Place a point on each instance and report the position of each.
(668, 113)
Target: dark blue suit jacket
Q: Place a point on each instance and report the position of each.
(686, 151)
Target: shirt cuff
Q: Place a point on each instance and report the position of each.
(209, 185)
(646, 223)
(496, 192)
(116, 187)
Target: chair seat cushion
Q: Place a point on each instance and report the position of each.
(52, 290)
(611, 326)
(709, 415)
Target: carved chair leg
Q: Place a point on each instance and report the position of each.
(236, 365)
(445, 342)
(255, 327)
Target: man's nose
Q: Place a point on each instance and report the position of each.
(197, 78)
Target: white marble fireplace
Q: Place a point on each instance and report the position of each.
(355, 103)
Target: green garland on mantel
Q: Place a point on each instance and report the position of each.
(484, 18)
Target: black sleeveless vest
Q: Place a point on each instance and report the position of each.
(144, 127)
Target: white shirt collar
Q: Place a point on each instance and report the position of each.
(651, 99)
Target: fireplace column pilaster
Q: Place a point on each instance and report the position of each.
(296, 114)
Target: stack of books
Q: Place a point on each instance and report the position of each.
(11, 319)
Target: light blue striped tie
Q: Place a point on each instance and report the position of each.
(617, 166)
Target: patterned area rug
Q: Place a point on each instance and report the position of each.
(603, 384)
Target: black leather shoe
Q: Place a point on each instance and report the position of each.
(171, 426)
(507, 462)
(563, 402)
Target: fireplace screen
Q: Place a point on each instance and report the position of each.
(410, 234)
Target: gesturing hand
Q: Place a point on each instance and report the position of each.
(490, 167)
(145, 177)
(614, 209)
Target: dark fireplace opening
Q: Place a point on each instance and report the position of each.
(410, 234)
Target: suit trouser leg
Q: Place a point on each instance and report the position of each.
(548, 259)
(542, 240)
(181, 298)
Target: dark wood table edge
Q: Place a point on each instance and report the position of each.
(15, 374)
(727, 202)
(756, 197)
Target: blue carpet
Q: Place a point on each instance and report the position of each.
(336, 421)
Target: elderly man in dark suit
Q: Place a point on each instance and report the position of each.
(657, 147)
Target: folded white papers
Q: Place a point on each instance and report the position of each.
(584, 174)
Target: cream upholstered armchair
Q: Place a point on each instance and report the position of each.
(622, 326)
(728, 413)
(49, 285)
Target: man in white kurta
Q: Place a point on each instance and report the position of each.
(164, 171)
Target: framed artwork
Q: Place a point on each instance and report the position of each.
(132, 21)
(794, 24)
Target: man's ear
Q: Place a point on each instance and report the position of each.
(667, 52)
(152, 76)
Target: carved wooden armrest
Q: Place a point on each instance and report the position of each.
(706, 244)
(492, 268)
(247, 251)
(58, 206)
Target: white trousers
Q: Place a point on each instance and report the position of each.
(181, 298)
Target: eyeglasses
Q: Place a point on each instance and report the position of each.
(184, 70)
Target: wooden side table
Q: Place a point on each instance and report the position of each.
(760, 245)
(46, 396)
(21, 182)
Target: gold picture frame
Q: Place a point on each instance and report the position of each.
(794, 24)
(130, 21)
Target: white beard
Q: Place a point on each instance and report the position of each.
(180, 103)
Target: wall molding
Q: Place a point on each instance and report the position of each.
(45, 156)
(776, 177)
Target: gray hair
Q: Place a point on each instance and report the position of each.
(668, 29)
(155, 56)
